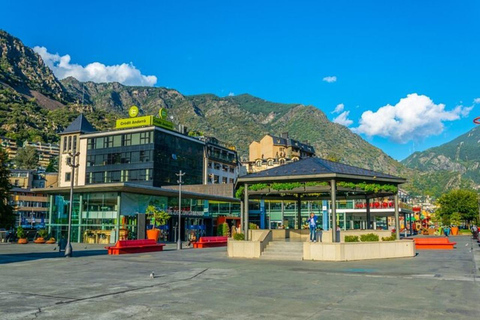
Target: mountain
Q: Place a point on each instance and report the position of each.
(35, 105)
(459, 160)
(238, 120)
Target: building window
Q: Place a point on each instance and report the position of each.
(90, 144)
(68, 176)
(224, 180)
(270, 162)
(232, 181)
(258, 163)
(64, 144)
(74, 144)
(69, 147)
(216, 179)
(127, 139)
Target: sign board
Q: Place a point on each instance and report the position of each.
(144, 121)
(134, 122)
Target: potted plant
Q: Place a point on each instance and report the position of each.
(455, 220)
(42, 235)
(51, 241)
(22, 236)
(157, 218)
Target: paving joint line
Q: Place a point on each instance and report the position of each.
(131, 290)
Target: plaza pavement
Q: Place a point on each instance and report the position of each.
(204, 284)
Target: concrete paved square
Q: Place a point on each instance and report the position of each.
(204, 284)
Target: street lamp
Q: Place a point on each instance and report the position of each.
(179, 240)
(71, 164)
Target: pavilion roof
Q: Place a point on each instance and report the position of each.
(317, 169)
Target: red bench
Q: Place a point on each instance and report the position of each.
(135, 246)
(206, 242)
(434, 243)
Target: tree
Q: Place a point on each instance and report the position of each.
(52, 165)
(27, 158)
(7, 217)
(463, 202)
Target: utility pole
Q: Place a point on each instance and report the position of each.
(179, 181)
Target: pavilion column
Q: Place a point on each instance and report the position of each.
(333, 206)
(397, 219)
(368, 214)
(299, 212)
(242, 213)
(245, 210)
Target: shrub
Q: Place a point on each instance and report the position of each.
(222, 230)
(369, 237)
(391, 238)
(351, 239)
(252, 226)
(21, 233)
(239, 236)
(43, 233)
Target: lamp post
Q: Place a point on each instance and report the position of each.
(73, 165)
(179, 240)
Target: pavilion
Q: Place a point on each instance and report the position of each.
(315, 179)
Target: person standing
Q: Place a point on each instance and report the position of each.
(312, 223)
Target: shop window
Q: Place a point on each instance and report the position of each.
(68, 176)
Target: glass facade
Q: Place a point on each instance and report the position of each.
(104, 217)
(151, 158)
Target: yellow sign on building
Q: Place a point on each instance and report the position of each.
(143, 122)
(134, 122)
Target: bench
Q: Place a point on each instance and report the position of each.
(135, 246)
(434, 243)
(207, 242)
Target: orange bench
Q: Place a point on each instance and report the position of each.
(206, 242)
(135, 246)
(434, 243)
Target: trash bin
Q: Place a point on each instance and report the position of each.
(319, 235)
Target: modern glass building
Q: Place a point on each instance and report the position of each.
(121, 172)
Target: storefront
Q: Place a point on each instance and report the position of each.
(105, 213)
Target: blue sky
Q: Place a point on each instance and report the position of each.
(424, 52)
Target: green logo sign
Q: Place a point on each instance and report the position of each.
(162, 113)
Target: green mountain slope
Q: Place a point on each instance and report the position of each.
(34, 105)
(459, 159)
(239, 120)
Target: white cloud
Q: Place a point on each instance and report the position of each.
(412, 118)
(231, 94)
(124, 73)
(330, 79)
(339, 108)
(476, 100)
(343, 119)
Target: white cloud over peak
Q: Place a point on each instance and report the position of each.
(343, 119)
(231, 94)
(476, 100)
(124, 73)
(330, 79)
(412, 118)
(339, 108)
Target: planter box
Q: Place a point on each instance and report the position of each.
(358, 250)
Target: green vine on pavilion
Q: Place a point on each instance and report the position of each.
(368, 187)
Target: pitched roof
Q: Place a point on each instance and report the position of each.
(279, 141)
(79, 125)
(318, 166)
